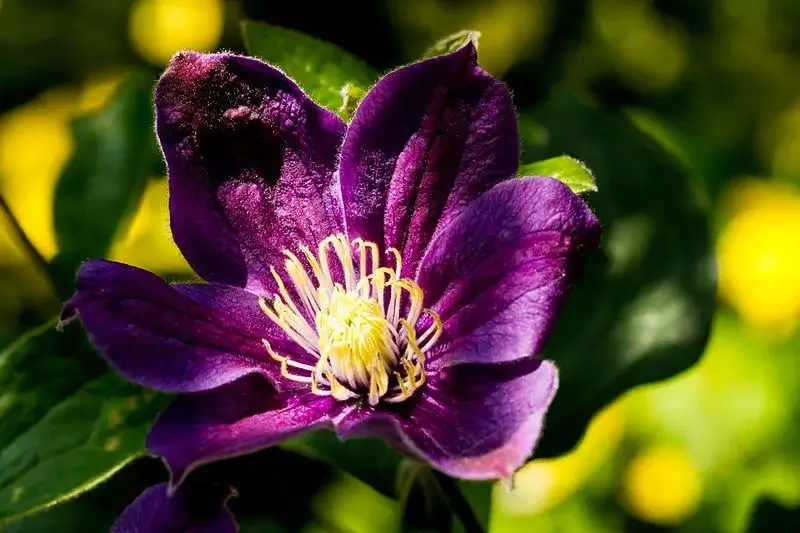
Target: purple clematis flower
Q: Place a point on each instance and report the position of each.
(192, 509)
(390, 277)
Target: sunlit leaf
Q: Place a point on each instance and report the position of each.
(37, 371)
(64, 424)
(97, 509)
(79, 443)
(333, 77)
(452, 42)
(566, 169)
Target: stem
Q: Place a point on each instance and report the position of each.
(458, 503)
(23, 238)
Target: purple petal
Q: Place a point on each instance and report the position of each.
(251, 165)
(239, 418)
(174, 338)
(193, 509)
(499, 273)
(426, 141)
(481, 421)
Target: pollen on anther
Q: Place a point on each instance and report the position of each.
(363, 344)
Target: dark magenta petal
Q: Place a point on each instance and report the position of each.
(251, 165)
(482, 421)
(174, 338)
(472, 421)
(426, 141)
(192, 509)
(499, 273)
(235, 419)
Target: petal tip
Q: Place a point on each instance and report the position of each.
(67, 316)
(550, 371)
(176, 478)
(191, 61)
(470, 47)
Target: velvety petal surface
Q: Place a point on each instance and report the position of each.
(192, 509)
(472, 421)
(251, 165)
(482, 421)
(499, 273)
(235, 419)
(178, 338)
(426, 141)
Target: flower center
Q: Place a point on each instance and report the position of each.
(355, 337)
(357, 319)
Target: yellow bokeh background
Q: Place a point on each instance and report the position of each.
(159, 28)
(759, 255)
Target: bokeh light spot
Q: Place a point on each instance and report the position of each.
(662, 486)
(148, 242)
(35, 143)
(159, 28)
(759, 259)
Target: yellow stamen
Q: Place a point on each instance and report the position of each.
(361, 345)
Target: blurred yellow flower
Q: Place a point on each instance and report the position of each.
(755, 193)
(759, 256)
(543, 484)
(96, 92)
(662, 486)
(35, 142)
(148, 243)
(159, 28)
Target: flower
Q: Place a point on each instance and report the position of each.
(192, 509)
(390, 277)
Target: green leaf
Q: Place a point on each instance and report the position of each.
(79, 443)
(102, 183)
(351, 97)
(39, 370)
(75, 516)
(369, 460)
(452, 42)
(642, 310)
(565, 169)
(96, 510)
(333, 77)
